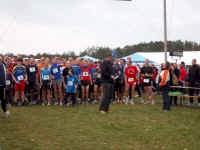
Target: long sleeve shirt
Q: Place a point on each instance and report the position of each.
(107, 71)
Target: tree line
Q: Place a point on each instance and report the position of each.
(101, 52)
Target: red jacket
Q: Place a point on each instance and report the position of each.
(183, 74)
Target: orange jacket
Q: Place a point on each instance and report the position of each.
(165, 77)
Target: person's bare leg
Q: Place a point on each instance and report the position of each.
(126, 94)
(146, 99)
(151, 98)
(55, 93)
(22, 96)
(44, 93)
(87, 92)
(49, 97)
(60, 94)
(16, 97)
(95, 91)
(83, 93)
(132, 95)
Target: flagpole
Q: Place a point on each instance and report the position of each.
(165, 29)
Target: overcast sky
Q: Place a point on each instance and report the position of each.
(32, 26)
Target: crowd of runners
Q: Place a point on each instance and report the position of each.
(66, 82)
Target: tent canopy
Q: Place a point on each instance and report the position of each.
(158, 57)
(137, 58)
(86, 57)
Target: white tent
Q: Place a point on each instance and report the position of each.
(137, 58)
(158, 57)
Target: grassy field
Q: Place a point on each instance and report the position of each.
(139, 127)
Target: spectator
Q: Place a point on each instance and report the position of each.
(194, 80)
(174, 81)
(107, 82)
(3, 87)
(9, 86)
(183, 74)
(164, 85)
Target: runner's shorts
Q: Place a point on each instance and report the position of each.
(57, 83)
(85, 83)
(147, 82)
(46, 85)
(20, 87)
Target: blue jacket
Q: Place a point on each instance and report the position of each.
(2, 75)
(71, 81)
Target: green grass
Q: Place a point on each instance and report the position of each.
(140, 127)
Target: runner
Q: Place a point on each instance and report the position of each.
(131, 80)
(93, 70)
(71, 82)
(45, 81)
(86, 80)
(40, 65)
(97, 84)
(57, 81)
(32, 74)
(19, 76)
(75, 65)
(116, 80)
(147, 74)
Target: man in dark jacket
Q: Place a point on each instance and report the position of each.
(107, 81)
(3, 87)
(194, 79)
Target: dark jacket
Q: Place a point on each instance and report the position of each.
(2, 75)
(194, 74)
(107, 71)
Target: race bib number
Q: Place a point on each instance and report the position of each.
(85, 74)
(46, 77)
(8, 82)
(20, 78)
(55, 70)
(146, 80)
(116, 77)
(98, 75)
(32, 69)
(61, 69)
(70, 83)
(130, 79)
